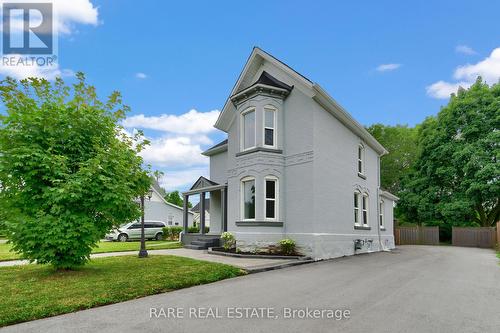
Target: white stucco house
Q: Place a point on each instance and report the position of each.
(157, 208)
(295, 165)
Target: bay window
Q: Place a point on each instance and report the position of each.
(271, 198)
(248, 198)
(269, 127)
(248, 126)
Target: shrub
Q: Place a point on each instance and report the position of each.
(287, 246)
(196, 229)
(228, 240)
(171, 233)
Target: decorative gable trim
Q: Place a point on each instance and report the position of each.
(202, 182)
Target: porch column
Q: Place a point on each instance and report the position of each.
(185, 215)
(223, 209)
(202, 213)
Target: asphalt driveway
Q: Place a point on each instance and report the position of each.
(413, 289)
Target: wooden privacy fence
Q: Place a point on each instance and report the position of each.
(477, 237)
(416, 235)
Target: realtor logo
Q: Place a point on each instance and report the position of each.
(28, 28)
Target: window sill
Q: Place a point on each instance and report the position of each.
(259, 224)
(362, 227)
(360, 175)
(256, 149)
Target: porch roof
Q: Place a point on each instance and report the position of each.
(204, 185)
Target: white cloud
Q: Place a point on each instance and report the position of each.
(67, 13)
(464, 49)
(488, 69)
(174, 152)
(141, 75)
(442, 89)
(192, 122)
(179, 179)
(24, 71)
(387, 67)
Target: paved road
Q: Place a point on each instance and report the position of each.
(414, 289)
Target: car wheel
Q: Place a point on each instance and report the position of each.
(159, 236)
(122, 237)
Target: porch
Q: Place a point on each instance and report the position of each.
(217, 211)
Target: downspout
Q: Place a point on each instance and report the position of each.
(378, 205)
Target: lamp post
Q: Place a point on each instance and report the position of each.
(143, 253)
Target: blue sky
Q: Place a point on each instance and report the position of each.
(379, 59)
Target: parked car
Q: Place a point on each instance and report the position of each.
(129, 231)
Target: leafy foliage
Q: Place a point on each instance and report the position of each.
(456, 177)
(171, 233)
(175, 198)
(68, 172)
(228, 239)
(401, 142)
(287, 246)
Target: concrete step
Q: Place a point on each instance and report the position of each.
(195, 247)
(202, 243)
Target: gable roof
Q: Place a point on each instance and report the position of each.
(218, 148)
(269, 80)
(166, 202)
(251, 68)
(196, 208)
(203, 182)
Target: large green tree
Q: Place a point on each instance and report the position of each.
(401, 142)
(68, 171)
(456, 177)
(175, 198)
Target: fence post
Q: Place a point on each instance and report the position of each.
(498, 234)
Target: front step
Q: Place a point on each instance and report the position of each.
(202, 243)
(195, 247)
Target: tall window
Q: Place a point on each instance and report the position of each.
(271, 195)
(364, 207)
(356, 208)
(361, 153)
(248, 129)
(381, 214)
(248, 198)
(269, 127)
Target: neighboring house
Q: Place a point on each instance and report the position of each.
(295, 165)
(158, 209)
(196, 211)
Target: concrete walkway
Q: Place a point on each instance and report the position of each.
(413, 290)
(249, 264)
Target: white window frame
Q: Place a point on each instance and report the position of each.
(242, 129)
(357, 209)
(361, 149)
(275, 118)
(242, 199)
(276, 198)
(364, 209)
(381, 214)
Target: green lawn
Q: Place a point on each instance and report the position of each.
(5, 254)
(36, 291)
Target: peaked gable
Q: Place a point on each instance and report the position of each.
(255, 63)
(202, 182)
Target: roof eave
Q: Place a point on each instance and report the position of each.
(325, 100)
(215, 150)
(389, 195)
